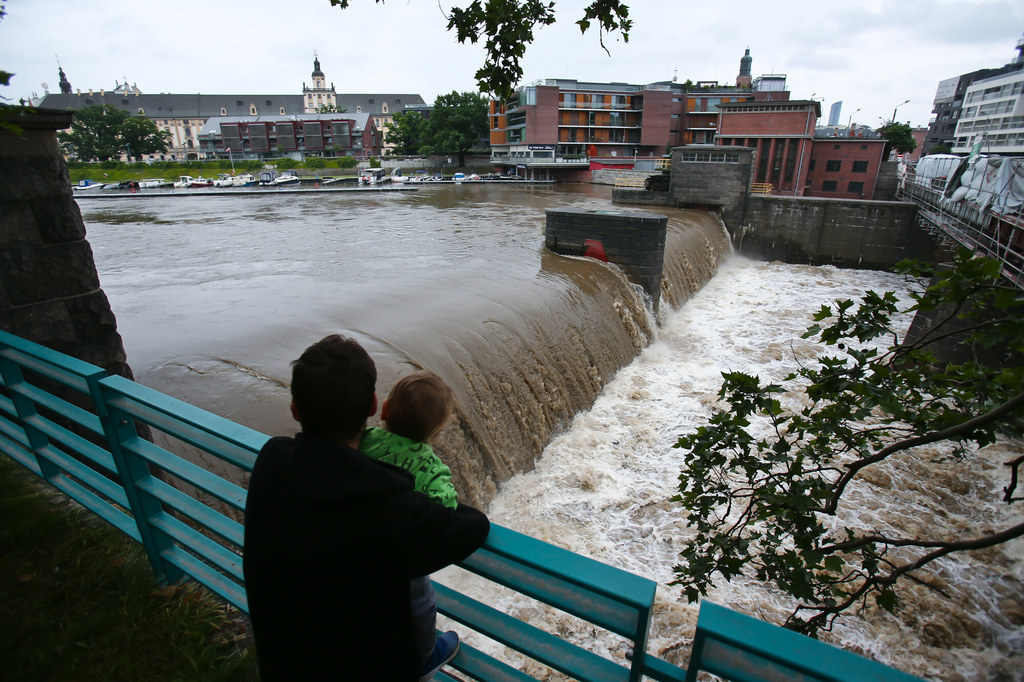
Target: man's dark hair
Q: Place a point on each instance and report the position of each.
(332, 385)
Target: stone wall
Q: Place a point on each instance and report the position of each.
(49, 288)
(634, 241)
(719, 186)
(872, 235)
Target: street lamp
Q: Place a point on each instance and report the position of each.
(849, 123)
(893, 119)
(129, 151)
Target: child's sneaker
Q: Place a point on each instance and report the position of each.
(445, 648)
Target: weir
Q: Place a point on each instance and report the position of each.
(527, 370)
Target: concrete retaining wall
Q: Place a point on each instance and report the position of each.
(848, 233)
(722, 187)
(634, 241)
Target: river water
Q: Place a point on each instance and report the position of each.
(571, 393)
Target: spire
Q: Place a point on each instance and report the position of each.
(317, 73)
(65, 86)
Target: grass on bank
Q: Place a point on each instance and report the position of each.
(78, 601)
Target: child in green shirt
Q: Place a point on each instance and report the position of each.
(416, 410)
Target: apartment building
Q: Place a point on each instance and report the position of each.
(564, 129)
(329, 134)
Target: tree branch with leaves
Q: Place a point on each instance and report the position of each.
(507, 28)
(764, 485)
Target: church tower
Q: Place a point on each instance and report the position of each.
(319, 95)
(744, 80)
(65, 85)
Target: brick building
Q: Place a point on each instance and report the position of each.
(564, 129)
(258, 137)
(844, 167)
(781, 132)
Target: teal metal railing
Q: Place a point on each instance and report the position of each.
(107, 442)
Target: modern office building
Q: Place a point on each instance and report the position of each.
(949, 102)
(992, 116)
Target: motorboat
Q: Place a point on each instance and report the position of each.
(246, 180)
(184, 181)
(224, 180)
(287, 177)
(267, 178)
(372, 176)
(459, 177)
(152, 184)
(397, 177)
(202, 182)
(87, 184)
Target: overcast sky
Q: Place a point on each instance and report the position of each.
(870, 55)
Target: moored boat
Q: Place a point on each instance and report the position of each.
(288, 177)
(246, 180)
(184, 181)
(202, 182)
(224, 180)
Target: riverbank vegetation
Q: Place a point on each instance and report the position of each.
(79, 601)
(772, 483)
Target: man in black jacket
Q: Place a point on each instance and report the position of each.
(332, 537)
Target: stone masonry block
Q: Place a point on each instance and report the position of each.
(36, 274)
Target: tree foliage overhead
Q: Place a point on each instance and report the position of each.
(767, 505)
(102, 132)
(507, 26)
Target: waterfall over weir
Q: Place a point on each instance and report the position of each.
(526, 369)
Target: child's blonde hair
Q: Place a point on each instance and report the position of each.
(419, 406)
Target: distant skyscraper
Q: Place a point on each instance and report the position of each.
(833, 113)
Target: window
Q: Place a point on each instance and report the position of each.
(833, 166)
(860, 166)
(371, 100)
(863, 146)
(856, 188)
(811, 166)
(828, 186)
(223, 111)
(835, 146)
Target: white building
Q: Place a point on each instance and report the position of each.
(992, 117)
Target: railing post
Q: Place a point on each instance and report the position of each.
(26, 410)
(119, 429)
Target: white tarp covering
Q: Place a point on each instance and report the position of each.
(935, 167)
(993, 183)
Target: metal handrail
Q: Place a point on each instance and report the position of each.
(188, 520)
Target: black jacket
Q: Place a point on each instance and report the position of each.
(332, 538)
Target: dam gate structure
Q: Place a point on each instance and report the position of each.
(635, 241)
